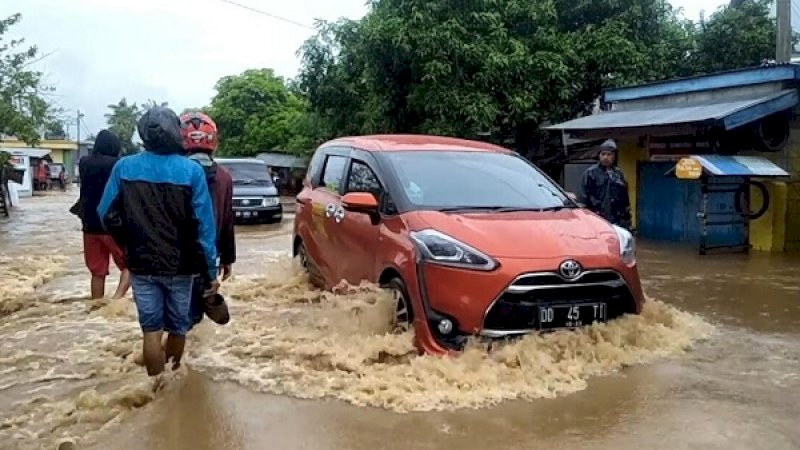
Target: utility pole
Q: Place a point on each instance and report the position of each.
(78, 156)
(784, 31)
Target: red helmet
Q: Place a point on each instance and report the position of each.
(199, 133)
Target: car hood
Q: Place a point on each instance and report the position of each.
(552, 234)
(254, 191)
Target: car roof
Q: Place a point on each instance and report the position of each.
(410, 142)
(239, 160)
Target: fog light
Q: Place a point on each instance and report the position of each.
(445, 326)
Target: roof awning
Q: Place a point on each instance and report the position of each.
(691, 167)
(679, 119)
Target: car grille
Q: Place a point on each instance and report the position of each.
(517, 307)
(247, 202)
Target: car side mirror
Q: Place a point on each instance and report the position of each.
(360, 202)
(572, 196)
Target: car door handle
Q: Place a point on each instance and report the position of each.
(330, 209)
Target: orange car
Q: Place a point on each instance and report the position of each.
(473, 239)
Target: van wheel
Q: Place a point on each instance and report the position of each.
(308, 266)
(404, 314)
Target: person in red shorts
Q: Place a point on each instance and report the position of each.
(98, 246)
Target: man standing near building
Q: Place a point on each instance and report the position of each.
(200, 140)
(157, 203)
(98, 246)
(604, 189)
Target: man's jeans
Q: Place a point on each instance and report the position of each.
(163, 302)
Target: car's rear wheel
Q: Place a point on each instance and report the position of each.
(404, 314)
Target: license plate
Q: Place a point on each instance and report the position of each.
(247, 213)
(570, 315)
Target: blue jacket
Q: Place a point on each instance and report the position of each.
(161, 206)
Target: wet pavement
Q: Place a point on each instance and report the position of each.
(713, 363)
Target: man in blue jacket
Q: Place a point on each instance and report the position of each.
(157, 205)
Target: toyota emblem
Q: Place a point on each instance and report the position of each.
(570, 269)
(245, 202)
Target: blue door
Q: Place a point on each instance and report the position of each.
(668, 208)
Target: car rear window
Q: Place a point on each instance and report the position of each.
(452, 179)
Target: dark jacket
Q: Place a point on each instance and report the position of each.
(163, 209)
(95, 170)
(220, 185)
(606, 193)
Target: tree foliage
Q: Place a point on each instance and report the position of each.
(745, 32)
(502, 68)
(122, 122)
(23, 109)
(257, 112)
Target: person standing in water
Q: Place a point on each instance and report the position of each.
(98, 246)
(604, 189)
(158, 204)
(200, 140)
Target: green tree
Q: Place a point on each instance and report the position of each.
(152, 104)
(122, 122)
(745, 32)
(256, 112)
(23, 108)
(54, 129)
(502, 68)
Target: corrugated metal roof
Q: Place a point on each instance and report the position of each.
(753, 108)
(282, 160)
(739, 166)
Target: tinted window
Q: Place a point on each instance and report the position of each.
(334, 171)
(315, 167)
(249, 173)
(442, 179)
(363, 179)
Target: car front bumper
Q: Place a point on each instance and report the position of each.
(506, 302)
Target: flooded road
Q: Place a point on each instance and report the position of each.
(714, 362)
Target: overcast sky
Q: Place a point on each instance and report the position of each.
(173, 50)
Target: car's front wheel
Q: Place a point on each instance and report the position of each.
(302, 257)
(404, 314)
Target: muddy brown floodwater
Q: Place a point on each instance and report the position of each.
(713, 362)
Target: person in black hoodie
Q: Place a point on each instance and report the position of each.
(98, 246)
(157, 205)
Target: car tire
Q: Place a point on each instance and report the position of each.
(404, 314)
(308, 266)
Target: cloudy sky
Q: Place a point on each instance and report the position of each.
(174, 51)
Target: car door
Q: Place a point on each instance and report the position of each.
(356, 234)
(325, 199)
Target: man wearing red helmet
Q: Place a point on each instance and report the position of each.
(200, 140)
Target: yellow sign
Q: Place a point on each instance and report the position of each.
(688, 169)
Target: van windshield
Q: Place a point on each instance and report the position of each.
(469, 180)
(249, 173)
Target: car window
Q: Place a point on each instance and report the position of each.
(244, 173)
(334, 172)
(363, 179)
(315, 167)
(452, 179)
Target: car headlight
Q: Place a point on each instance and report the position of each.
(627, 245)
(445, 250)
(270, 201)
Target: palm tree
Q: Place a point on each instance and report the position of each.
(122, 122)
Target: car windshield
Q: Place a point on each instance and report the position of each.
(464, 180)
(249, 173)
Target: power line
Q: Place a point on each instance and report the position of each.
(250, 8)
